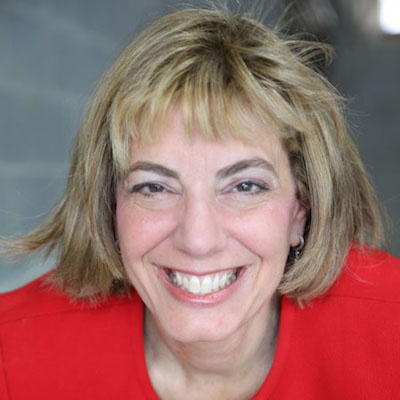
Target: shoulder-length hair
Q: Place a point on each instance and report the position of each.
(218, 66)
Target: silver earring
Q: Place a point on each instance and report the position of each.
(298, 248)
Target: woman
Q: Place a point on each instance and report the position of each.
(216, 235)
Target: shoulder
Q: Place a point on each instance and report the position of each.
(46, 340)
(41, 298)
(348, 336)
(369, 274)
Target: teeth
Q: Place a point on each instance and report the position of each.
(179, 278)
(194, 285)
(185, 282)
(215, 284)
(205, 284)
(223, 281)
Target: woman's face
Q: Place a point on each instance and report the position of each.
(205, 227)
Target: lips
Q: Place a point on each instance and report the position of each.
(223, 284)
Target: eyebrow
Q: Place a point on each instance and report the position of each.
(245, 164)
(223, 173)
(152, 167)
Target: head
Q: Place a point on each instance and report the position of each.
(223, 72)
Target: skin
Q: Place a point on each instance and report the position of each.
(204, 206)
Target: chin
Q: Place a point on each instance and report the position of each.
(202, 329)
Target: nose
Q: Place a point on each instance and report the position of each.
(200, 231)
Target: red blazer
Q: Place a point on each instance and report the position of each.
(346, 345)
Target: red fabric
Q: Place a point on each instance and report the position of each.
(345, 346)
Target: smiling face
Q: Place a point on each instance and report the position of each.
(205, 228)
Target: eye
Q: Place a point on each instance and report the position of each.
(250, 187)
(148, 188)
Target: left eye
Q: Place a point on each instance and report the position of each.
(249, 187)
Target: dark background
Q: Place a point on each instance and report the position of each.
(54, 51)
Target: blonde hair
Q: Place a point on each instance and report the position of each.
(218, 66)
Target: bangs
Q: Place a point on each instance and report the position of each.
(210, 106)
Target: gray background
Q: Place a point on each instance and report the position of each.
(53, 52)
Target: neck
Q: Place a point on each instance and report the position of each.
(248, 353)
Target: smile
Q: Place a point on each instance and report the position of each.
(204, 284)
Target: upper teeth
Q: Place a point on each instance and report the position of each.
(204, 284)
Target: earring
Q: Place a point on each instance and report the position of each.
(298, 248)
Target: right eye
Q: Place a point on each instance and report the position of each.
(148, 189)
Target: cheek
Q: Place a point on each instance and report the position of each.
(266, 229)
(139, 230)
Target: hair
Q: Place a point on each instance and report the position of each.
(218, 66)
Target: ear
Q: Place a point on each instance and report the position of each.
(298, 223)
